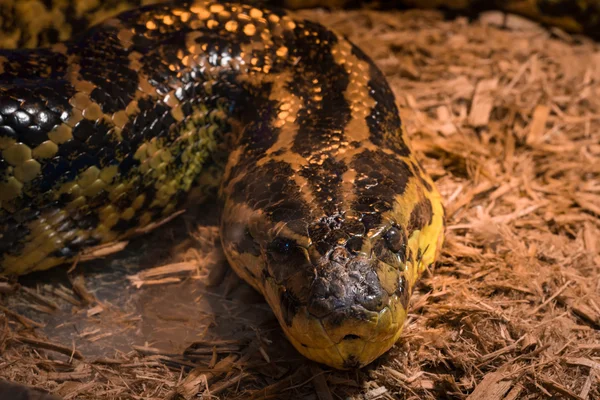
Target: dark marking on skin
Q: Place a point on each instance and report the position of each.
(298, 226)
(325, 181)
(249, 272)
(247, 244)
(384, 121)
(403, 292)
(53, 172)
(319, 121)
(585, 13)
(287, 210)
(265, 185)
(421, 215)
(28, 66)
(420, 174)
(72, 149)
(354, 244)
(289, 306)
(88, 221)
(382, 252)
(352, 226)
(12, 231)
(376, 192)
(371, 221)
(128, 162)
(124, 225)
(318, 231)
(341, 315)
(265, 274)
(319, 304)
(105, 64)
(270, 186)
(81, 243)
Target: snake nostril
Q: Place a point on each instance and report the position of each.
(351, 337)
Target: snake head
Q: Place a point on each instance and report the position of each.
(339, 286)
(356, 303)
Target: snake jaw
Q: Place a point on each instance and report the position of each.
(378, 333)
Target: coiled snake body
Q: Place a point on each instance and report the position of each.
(325, 210)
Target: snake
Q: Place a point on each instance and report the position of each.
(111, 112)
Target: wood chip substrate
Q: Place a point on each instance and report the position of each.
(505, 115)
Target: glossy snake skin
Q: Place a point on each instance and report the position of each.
(325, 210)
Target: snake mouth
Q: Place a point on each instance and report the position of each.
(351, 336)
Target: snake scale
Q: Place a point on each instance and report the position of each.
(325, 210)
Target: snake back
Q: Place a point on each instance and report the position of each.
(326, 211)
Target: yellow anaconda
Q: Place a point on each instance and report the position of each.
(325, 210)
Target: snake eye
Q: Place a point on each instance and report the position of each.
(281, 248)
(394, 240)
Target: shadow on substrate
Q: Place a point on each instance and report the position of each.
(210, 306)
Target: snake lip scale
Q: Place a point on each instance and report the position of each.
(326, 211)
